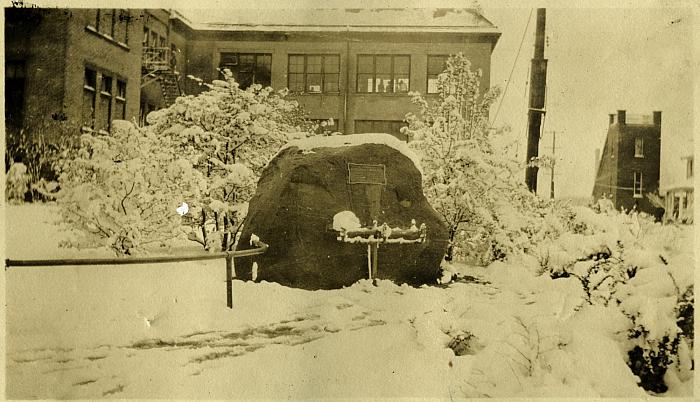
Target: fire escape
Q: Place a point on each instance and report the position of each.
(157, 66)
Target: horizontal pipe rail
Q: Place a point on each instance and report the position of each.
(260, 248)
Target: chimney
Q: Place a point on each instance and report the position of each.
(657, 118)
(612, 119)
(621, 117)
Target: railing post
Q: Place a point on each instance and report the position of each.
(229, 281)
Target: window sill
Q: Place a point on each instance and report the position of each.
(392, 94)
(637, 196)
(108, 38)
(639, 156)
(314, 93)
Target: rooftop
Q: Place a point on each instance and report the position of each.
(451, 20)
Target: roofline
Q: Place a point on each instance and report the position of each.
(222, 27)
(343, 28)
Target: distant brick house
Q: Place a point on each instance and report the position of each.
(82, 68)
(629, 166)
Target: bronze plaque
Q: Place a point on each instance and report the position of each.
(359, 173)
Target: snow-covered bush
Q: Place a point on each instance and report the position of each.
(16, 183)
(122, 190)
(470, 183)
(43, 156)
(622, 262)
(228, 134)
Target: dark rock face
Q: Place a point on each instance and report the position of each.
(293, 208)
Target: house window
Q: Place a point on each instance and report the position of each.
(637, 185)
(248, 68)
(121, 26)
(89, 92)
(392, 127)
(689, 168)
(120, 101)
(15, 74)
(313, 73)
(383, 73)
(639, 147)
(436, 65)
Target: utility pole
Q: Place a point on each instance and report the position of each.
(536, 111)
(554, 162)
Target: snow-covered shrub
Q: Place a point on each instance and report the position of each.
(122, 190)
(43, 154)
(622, 262)
(471, 183)
(228, 134)
(16, 183)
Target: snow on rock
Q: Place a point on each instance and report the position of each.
(346, 220)
(335, 141)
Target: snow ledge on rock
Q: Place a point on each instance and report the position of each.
(337, 141)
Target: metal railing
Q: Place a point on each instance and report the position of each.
(260, 248)
(156, 58)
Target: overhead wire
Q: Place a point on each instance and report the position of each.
(510, 76)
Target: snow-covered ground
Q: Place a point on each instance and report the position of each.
(163, 331)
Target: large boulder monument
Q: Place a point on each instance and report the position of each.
(315, 186)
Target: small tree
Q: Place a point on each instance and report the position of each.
(229, 134)
(465, 179)
(122, 190)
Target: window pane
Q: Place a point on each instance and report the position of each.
(296, 82)
(313, 64)
(103, 117)
(264, 60)
(383, 65)
(106, 21)
(432, 85)
(365, 83)
(383, 83)
(106, 85)
(313, 82)
(330, 82)
(92, 17)
(120, 27)
(436, 64)
(262, 75)
(401, 84)
(88, 108)
(402, 65)
(90, 78)
(365, 64)
(331, 64)
(296, 64)
(121, 89)
(246, 62)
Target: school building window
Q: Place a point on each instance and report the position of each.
(113, 23)
(637, 185)
(436, 65)
(15, 73)
(639, 147)
(392, 127)
(383, 73)
(248, 68)
(89, 91)
(104, 99)
(313, 73)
